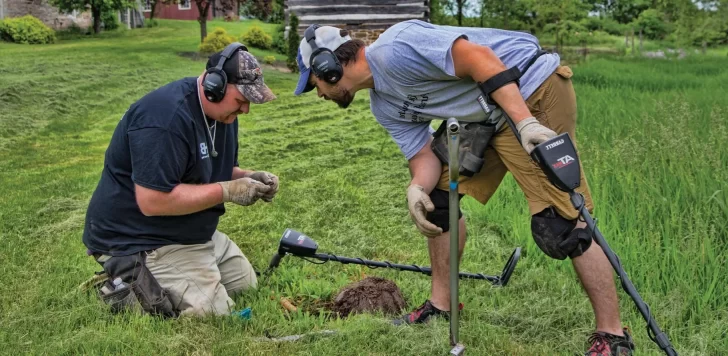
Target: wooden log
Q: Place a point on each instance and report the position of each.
(290, 3)
(357, 19)
(350, 10)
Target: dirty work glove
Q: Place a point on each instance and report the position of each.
(243, 191)
(419, 204)
(533, 133)
(269, 179)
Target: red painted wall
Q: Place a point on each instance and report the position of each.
(173, 12)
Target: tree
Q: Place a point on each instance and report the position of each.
(97, 7)
(559, 17)
(203, 6)
(504, 14)
(652, 24)
(294, 41)
(437, 11)
(626, 11)
(460, 4)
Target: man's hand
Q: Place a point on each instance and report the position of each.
(419, 204)
(269, 179)
(243, 191)
(533, 133)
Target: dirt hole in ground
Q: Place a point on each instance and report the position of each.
(370, 295)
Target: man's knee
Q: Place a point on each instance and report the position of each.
(556, 236)
(440, 217)
(238, 276)
(236, 272)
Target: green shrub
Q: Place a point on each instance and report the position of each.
(110, 19)
(26, 29)
(294, 40)
(269, 59)
(279, 40)
(216, 41)
(151, 23)
(256, 37)
(653, 24)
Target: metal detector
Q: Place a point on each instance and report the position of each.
(558, 159)
(297, 244)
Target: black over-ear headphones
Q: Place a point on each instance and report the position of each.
(215, 81)
(323, 61)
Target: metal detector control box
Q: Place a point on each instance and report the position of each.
(557, 158)
(296, 243)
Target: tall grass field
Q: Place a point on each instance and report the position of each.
(652, 137)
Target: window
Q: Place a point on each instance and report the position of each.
(184, 5)
(147, 5)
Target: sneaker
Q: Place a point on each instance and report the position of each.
(606, 344)
(422, 314)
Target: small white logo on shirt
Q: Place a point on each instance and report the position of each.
(203, 150)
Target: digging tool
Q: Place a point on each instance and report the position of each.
(453, 139)
(558, 159)
(297, 244)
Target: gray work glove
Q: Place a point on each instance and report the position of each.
(269, 179)
(533, 133)
(419, 204)
(243, 191)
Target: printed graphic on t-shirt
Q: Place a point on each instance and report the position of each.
(203, 150)
(413, 102)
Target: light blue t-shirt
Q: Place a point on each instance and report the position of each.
(415, 82)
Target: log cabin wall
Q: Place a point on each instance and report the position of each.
(365, 19)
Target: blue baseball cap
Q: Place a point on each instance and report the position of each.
(326, 37)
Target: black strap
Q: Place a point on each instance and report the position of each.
(533, 59)
(499, 80)
(507, 76)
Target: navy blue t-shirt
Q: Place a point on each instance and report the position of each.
(160, 142)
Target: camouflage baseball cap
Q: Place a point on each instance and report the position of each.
(244, 70)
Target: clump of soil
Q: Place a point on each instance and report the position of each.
(372, 294)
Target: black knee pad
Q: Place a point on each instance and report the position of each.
(556, 236)
(441, 215)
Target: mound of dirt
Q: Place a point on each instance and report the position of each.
(371, 294)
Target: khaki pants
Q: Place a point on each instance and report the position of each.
(553, 104)
(202, 278)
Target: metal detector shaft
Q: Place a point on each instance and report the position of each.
(453, 135)
(660, 338)
(411, 268)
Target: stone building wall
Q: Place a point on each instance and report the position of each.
(368, 36)
(45, 12)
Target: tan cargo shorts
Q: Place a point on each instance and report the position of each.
(553, 104)
(203, 278)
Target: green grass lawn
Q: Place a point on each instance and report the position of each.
(652, 135)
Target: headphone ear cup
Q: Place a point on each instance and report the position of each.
(326, 66)
(214, 85)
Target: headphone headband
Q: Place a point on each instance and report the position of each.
(310, 35)
(228, 52)
(215, 80)
(322, 61)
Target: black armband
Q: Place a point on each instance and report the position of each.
(499, 80)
